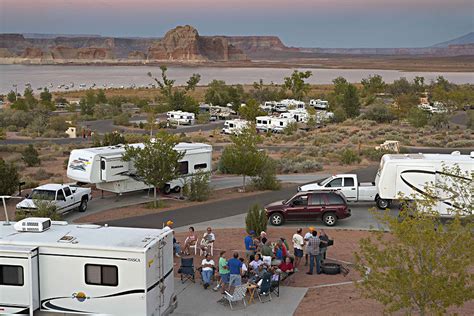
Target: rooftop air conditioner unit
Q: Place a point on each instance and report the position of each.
(33, 224)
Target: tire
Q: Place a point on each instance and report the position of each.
(329, 219)
(167, 189)
(383, 203)
(331, 268)
(177, 189)
(277, 219)
(83, 205)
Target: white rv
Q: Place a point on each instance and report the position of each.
(85, 269)
(298, 115)
(405, 175)
(235, 126)
(319, 104)
(104, 167)
(264, 123)
(180, 117)
(279, 124)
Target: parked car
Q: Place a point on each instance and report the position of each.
(64, 197)
(348, 184)
(306, 206)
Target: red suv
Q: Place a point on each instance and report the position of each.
(305, 206)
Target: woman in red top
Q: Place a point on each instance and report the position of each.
(287, 269)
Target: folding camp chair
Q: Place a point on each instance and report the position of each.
(275, 284)
(265, 287)
(238, 295)
(186, 270)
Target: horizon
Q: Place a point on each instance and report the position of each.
(298, 23)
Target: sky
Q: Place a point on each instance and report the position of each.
(301, 23)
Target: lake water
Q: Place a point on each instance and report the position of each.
(116, 76)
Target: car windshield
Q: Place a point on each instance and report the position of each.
(325, 181)
(43, 195)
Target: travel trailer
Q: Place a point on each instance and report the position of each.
(264, 123)
(58, 267)
(104, 167)
(235, 126)
(297, 114)
(293, 103)
(407, 175)
(279, 124)
(180, 117)
(319, 104)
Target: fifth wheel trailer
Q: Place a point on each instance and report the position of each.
(104, 167)
(85, 269)
(407, 176)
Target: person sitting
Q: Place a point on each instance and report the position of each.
(278, 255)
(176, 246)
(255, 262)
(286, 268)
(207, 240)
(190, 240)
(244, 269)
(207, 270)
(261, 270)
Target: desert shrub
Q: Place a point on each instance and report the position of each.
(41, 174)
(298, 165)
(49, 133)
(203, 118)
(199, 139)
(44, 209)
(461, 143)
(29, 183)
(375, 154)
(417, 117)
(290, 129)
(256, 220)
(112, 139)
(198, 188)
(30, 156)
(379, 113)
(9, 176)
(135, 138)
(266, 178)
(349, 157)
(122, 119)
(470, 119)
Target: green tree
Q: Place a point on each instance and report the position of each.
(243, 157)
(198, 188)
(251, 110)
(157, 162)
(20, 104)
(418, 117)
(11, 96)
(424, 266)
(30, 99)
(58, 123)
(203, 118)
(340, 84)
(266, 178)
(400, 86)
(112, 139)
(404, 103)
(296, 83)
(256, 220)
(101, 98)
(380, 113)
(216, 93)
(419, 84)
(373, 84)
(46, 96)
(350, 101)
(2, 133)
(31, 156)
(86, 107)
(9, 176)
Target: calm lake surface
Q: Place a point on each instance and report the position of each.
(115, 76)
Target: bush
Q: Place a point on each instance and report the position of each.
(470, 119)
(41, 174)
(44, 209)
(266, 178)
(298, 165)
(349, 157)
(122, 119)
(203, 118)
(290, 129)
(418, 117)
(2, 133)
(379, 113)
(9, 176)
(256, 220)
(375, 154)
(198, 189)
(30, 156)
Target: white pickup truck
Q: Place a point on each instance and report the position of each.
(348, 185)
(65, 197)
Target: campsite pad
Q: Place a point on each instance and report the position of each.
(194, 300)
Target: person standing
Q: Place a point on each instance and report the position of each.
(207, 266)
(249, 244)
(306, 238)
(323, 247)
(235, 268)
(298, 244)
(313, 252)
(223, 272)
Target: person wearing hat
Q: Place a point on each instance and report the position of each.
(169, 225)
(307, 236)
(249, 244)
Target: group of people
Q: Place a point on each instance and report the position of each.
(206, 243)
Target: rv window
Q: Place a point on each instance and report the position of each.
(11, 275)
(101, 275)
(183, 167)
(60, 196)
(200, 166)
(102, 164)
(67, 191)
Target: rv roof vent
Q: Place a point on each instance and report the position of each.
(472, 154)
(456, 153)
(33, 224)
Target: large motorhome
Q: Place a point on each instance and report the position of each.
(408, 175)
(299, 115)
(279, 124)
(264, 123)
(85, 269)
(319, 104)
(104, 167)
(180, 117)
(234, 126)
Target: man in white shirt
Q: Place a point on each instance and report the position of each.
(307, 236)
(207, 240)
(298, 243)
(207, 266)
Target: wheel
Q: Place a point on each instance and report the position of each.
(331, 268)
(177, 189)
(83, 205)
(167, 189)
(276, 219)
(382, 203)
(329, 219)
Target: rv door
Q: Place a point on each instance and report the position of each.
(19, 288)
